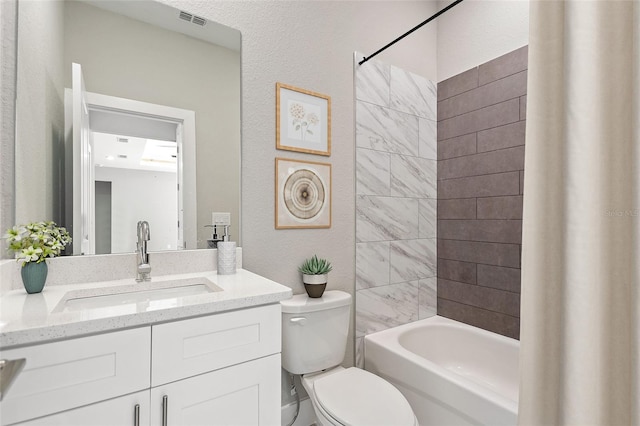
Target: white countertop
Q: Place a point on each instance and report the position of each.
(37, 318)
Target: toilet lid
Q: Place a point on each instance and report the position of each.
(357, 397)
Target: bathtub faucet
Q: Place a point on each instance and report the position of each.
(144, 268)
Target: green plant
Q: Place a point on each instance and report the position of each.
(36, 241)
(315, 266)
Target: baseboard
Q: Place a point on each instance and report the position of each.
(306, 417)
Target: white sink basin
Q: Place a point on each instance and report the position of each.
(137, 297)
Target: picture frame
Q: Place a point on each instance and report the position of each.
(303, 120)
(302, 194)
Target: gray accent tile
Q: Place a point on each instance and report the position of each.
(463, 208)
(479, 252)
(427, 298)
(503, 66)
(427, 137)
(523, 107)
(454, 270)
(385, 218)
(427, 220)
(502, 137)
(412, 94)
(458, 84)
(373, 172)
(372, 264)
(481, 119)
(386, 130)
(480, 186)
(413, 177)
(521, 182)
(495, 92)
(493, 231)
(507, 279)
(500, 207)
(493, 321)
(372, 82)
(412, 260)
(503, 160)
(457, 147)
(504, 302)
(385, 307)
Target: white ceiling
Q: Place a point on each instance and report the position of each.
(137, 153)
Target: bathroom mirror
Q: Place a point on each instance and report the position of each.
(161, 139)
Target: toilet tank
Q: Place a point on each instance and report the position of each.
(314, 331)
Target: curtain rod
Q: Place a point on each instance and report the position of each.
(365, 59)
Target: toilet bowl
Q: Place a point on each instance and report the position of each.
(314, 338)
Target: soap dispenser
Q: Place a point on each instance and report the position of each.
(226, 254)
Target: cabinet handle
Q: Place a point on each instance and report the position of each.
(9, 370)
(136, 415)
(165, 408)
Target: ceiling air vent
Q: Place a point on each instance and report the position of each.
(199, 21)
(122, 140)
(185, 16)
(122, 156)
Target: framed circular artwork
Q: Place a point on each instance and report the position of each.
(303, 194)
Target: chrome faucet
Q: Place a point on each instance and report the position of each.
(144, 268)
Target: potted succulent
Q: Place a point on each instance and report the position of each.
(33, 244)
(314, 275)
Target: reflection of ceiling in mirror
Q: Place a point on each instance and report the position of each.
(127, 152)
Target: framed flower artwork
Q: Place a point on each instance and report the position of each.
(303, 194)
(303, 120)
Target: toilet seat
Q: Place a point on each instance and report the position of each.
(357, 397)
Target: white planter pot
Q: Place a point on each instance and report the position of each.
(314, 284)
(314, 279)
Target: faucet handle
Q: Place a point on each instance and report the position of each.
(144, 232)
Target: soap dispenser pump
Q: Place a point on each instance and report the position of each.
(213, 242)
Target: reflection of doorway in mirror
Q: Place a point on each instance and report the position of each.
(143, 177)
(146, 152)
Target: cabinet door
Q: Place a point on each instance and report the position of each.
(189, 347)
(73, 373)
(245, 394)
(130, 410)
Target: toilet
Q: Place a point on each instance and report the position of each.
(314, 341)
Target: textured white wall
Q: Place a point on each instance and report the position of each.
(39, 112)
(309, 45)
(8, 9)
(476, 31)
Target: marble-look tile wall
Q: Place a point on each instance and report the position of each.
(396, 195)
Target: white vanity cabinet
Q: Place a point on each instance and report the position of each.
(72, 373)
(219, 369)
(125, 410)
(246, 392)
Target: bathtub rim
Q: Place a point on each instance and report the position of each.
(389, 339)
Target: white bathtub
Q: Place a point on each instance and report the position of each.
(451, 373)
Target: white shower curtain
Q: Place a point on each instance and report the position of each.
(580, 332)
